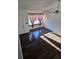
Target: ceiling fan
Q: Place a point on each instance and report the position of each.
(57, 11)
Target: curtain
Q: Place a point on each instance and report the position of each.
(32, 19)
(35, 16)
(40, 18)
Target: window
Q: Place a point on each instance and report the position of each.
(35, 18)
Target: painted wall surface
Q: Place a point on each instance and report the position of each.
(53, 21)
(22, 22)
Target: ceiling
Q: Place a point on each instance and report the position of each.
(34, 4)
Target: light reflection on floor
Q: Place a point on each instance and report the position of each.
(35, 35)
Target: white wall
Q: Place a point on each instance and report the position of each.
(22, 19)
(53, 21)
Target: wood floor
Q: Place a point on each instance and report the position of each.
(33, 47)
(57, 44)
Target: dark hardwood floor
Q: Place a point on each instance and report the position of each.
(33, 47)
(56, 43)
